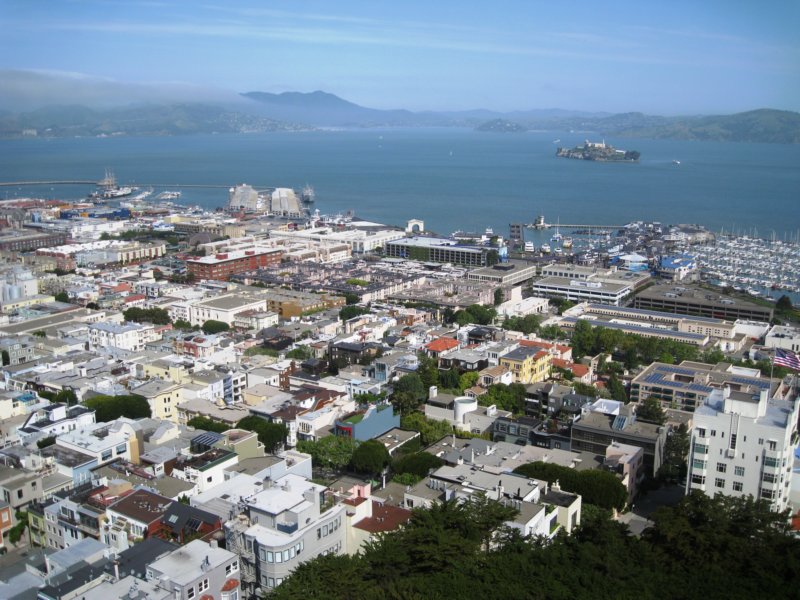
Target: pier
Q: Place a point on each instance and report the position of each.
(88, 182)
(573, 226)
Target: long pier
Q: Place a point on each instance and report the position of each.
(572, 226)
(87, 182)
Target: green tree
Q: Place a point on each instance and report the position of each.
(430, 430)
(417, 463)
(370, 457)
(45, 442)
(300, 353)
(428, 370)
(411, 383)
(449, 379)
(66, 396)
(617, 389)
(584, 389)
(272, 435)
(207, 424)
(109, 408)
(350, 298)
(184, 325)
(784, 303)
(498, 296)
(212, 327)
(62, 297)
(352, 310)
(39, 333)
(601, 488)
(650, 411)
(467, 380)
(156, 316)
(405, 402)
(505, 397)
(676, 452)
(583, 339)
(334, 451)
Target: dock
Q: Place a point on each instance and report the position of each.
(595, 227)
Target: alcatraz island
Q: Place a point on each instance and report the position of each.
(598, 151)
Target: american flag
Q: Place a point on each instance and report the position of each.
(786, 358)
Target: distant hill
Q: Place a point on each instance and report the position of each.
(291, 111)
(155, 119)
(501, 126)
(323, 109)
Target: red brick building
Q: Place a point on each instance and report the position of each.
(220, 267)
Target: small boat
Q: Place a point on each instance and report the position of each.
(566, 243)
(529, 247)
(546, 248)
(676, 162)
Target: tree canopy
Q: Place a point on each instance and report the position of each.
(272, 435)
(703, 548)
(430, 430)
(601, 488)
(370, 457)
(207, 424)
(212, 326)
(334, 451)
(156, 316)
(108, 408)
(352, 310)
(650, 411)
(475, 313)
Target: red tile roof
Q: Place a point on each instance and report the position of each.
(384, 518)
(442, 344)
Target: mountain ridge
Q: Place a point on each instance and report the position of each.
(293, 111)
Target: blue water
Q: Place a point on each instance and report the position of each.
(450, 178)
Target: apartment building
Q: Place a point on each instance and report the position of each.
(743, 445)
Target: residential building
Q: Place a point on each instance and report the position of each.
(284, 525)
(528, 364)
(163, 398)
(594, 432)
(127, 336)
(743, 444)
(226, 308)
(198, 570)
(55, 419)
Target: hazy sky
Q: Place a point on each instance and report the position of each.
(659, 57)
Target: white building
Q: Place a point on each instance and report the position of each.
(743, 445)
(56, 419)
(784, 337)
(282, 527)
(128, 336)
(224, 308)
(197, 570)
(104, 441)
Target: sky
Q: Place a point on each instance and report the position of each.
(670, 58)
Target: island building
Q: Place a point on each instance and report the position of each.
(693, 300)
(743, 444)
(687, 385)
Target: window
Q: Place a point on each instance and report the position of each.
(269, 557)
(701, 432)
(720, 483)
(733, 441)
(713, 433)
(271, 582)
(769, 477)
(19, 494)
(738, 471)
(285, 556)
(278, 557)
(770, 462)
(722, 468)
(202, 586)
(699, 479)
(772, 444)
(699, 464)
(190, 593)
(737, 486)
(700, 449)
(760, 441)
